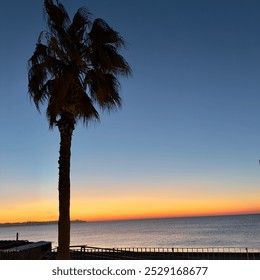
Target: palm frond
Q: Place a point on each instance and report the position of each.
(57, 49)
(57, 17)
(36, 86)
(81, 20)
(107, 58)
(102, 33)
(104, 90)
(85, 109)
(52, 109)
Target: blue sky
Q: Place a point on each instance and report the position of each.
(190, 117)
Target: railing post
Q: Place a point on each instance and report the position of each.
(247, 254)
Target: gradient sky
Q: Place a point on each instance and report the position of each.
(187, 139)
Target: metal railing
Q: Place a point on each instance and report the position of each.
(168, 249)
(225, 253)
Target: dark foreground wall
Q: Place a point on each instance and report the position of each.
(24, 250)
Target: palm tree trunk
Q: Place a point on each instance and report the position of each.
(66, 127)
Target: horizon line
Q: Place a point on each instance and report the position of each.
(126, 219)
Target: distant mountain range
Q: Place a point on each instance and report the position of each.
(32, 223)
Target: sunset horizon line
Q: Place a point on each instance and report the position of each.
(34, 222)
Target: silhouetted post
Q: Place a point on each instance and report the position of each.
(17, 236)
(247, 254)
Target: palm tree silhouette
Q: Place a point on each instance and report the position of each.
(74, 68)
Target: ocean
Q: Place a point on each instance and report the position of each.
(195, 232)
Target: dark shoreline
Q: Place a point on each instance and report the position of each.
(36, 223)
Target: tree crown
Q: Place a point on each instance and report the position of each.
(76, 65)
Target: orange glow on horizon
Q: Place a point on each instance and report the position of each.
(130, 216)
(107, 207)
(159, 206)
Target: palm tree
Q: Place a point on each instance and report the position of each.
(74, 68)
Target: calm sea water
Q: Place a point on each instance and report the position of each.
(220, 231)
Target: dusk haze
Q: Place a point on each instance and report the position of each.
(186, 140)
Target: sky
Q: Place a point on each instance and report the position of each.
(187, 139)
